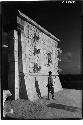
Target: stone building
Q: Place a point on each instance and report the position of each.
(32, 53)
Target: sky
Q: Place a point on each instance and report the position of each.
(61, 19)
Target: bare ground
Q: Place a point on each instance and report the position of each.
(67, 104)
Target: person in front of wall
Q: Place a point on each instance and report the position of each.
(50, 85)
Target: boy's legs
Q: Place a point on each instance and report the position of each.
(52, 92)
(48, 94)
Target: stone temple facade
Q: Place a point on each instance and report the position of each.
(35, 53)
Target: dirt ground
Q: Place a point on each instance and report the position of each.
(67, 104)
(66, 97)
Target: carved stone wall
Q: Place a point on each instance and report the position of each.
(39, 56)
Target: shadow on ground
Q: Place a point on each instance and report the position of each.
(63, 107)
